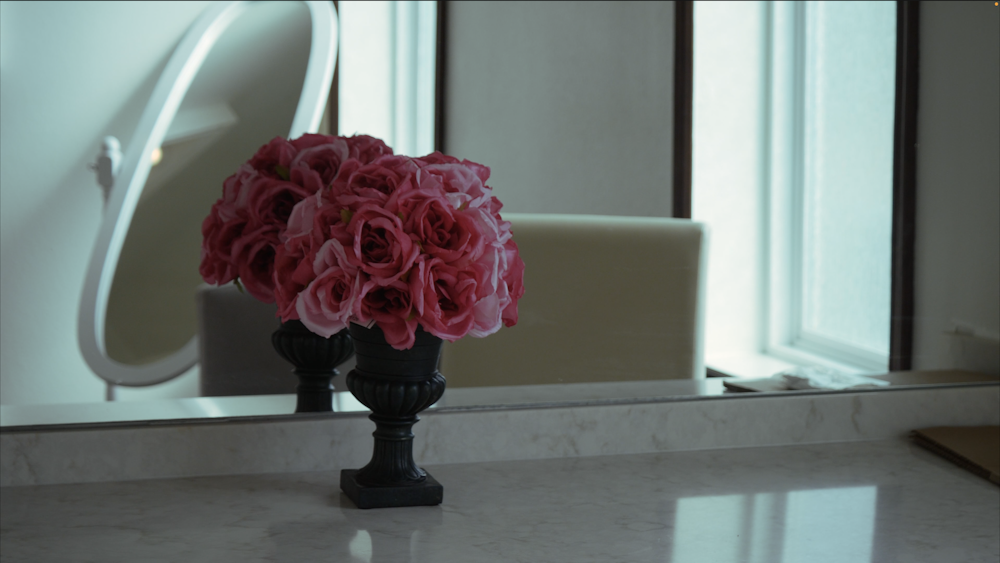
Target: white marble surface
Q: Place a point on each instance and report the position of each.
(343, 440)
(880, 501)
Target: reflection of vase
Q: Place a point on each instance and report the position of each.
(395, 385)
(314, 358)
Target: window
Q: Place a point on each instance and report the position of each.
(792, 170)
(386, 72)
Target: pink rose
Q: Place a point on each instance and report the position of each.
(375, 182)
(270, 201)
(462, 182)
(366, 149)
(382, 248)
(324, 159)
(391, 307)
(311, 223)
(328, 303)
(449, 298)
(442, 231)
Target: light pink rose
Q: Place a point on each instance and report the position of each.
(483, 172)
(328, 302)
(462, 184)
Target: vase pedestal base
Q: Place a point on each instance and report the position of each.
(427, 493)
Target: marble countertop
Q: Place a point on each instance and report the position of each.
(877, 501)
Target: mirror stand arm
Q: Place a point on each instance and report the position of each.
(107, 165)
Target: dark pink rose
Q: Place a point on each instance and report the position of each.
(253, 255)
(218, 236)
(366, 149)
(390, 306)
(328, 303)
(513, 278)
(382, 248)
(274, 159)
(292, 273)
(309, 140)
(270, 201)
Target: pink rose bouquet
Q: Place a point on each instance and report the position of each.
(339, 230)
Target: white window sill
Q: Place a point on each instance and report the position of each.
(759, 364)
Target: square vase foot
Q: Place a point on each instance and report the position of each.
(428, 493)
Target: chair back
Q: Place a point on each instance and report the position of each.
(606, 299)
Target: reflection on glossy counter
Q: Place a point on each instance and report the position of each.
(860, 502)
(465, 398)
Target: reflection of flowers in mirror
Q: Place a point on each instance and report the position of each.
(339, 230)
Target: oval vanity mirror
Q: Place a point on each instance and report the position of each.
(241, 74)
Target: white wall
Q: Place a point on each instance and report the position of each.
(569, 103)
(70, 73)
(958, 186)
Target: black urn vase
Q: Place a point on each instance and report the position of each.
(315, 359)
(395, 385)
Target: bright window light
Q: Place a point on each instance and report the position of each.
(387, 61)
(792, 171)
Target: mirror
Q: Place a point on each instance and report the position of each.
(198, 142)
(246, 91)
(252, 405)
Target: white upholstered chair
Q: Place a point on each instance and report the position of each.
(234, 345)
(606, 299)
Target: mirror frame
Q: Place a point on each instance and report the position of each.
(164, 102)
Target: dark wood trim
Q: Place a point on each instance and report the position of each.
(333, 100)
(904, 185)
(683, 90)
(441, 75)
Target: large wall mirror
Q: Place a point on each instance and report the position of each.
(579, 108)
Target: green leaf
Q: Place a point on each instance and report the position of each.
(239, 286)
(346, 214)
(281, 171)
